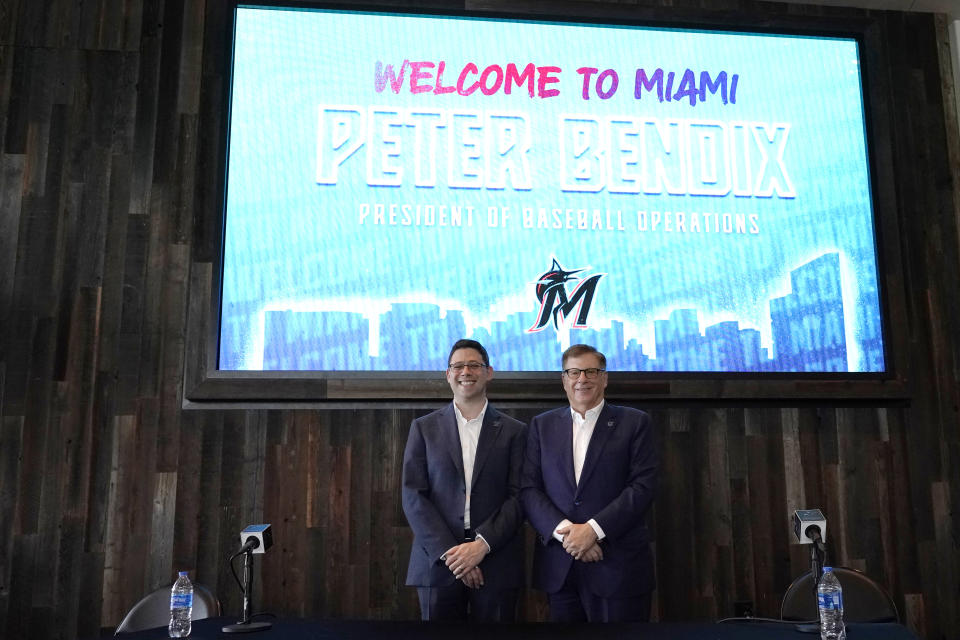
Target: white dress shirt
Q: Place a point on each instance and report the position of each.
(582, 431)
(469, 437)
(583, 426)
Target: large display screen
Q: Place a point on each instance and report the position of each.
(684, 200)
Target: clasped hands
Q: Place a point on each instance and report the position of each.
(580, 541)
(463, 559)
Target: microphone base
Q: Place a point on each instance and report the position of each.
(246, 627)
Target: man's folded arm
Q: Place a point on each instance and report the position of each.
(501, 527)
(428, 525)
(539, 508)
(628, 510)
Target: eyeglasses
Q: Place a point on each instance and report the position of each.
(591, 373)
(470, 366)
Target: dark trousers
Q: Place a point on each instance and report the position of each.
(459, 602)
(574, 602)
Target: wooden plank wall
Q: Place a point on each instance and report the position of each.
(109, 135)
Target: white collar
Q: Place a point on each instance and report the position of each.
(591, 413)
(479, 417)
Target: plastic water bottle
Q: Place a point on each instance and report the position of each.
(181, 606)
(830, 604)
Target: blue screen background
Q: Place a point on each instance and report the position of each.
(310, 283)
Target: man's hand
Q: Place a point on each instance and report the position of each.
(593, 554)
(577, 538)
(473, 578)
(465, 557)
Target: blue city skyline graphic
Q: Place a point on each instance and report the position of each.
(809, 333)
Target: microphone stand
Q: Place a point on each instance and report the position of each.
(245, 625)
(818, 552)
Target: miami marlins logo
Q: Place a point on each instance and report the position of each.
(557, 304)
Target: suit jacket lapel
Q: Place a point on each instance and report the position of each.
(452, 436)
(563, 438)
(606, 422)
(489, 431)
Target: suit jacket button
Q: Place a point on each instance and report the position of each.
(577, 503)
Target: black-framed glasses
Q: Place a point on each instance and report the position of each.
(469, 366)
(574, 373)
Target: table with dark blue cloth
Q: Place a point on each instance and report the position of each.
(294, 629)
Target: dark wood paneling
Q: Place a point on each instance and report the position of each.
(110, 130)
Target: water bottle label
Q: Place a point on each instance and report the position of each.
(830, 600)
(178, 600)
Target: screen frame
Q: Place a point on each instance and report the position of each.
(205, 385)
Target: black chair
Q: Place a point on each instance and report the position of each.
(153, 610)
(863, 599)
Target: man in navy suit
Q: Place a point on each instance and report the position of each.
(588, 481)
(461, 496)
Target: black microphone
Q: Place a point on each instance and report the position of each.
(251, 543)
(810, 526)
(256, 538)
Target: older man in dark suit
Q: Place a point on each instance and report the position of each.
(588, 481)
(461, 486)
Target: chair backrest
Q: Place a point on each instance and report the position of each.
(153, 610)
(863, 599)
